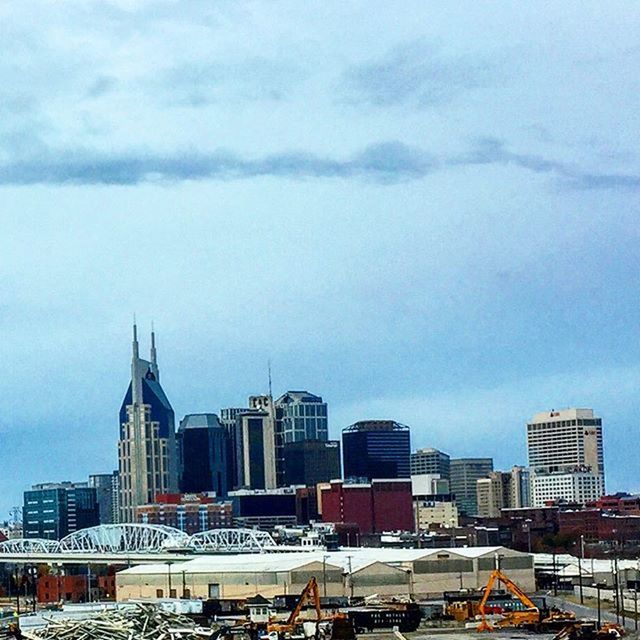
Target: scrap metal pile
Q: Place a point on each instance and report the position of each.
(142, 622)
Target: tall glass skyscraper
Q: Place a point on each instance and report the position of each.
(376, 449)
(202, 444)
(147, 448)
(300, 416)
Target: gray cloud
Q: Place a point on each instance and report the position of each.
(197, 84)
(386, 163)
(416, 73)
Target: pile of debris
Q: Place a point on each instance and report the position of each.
(142, 622)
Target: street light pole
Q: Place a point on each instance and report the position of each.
(555, 577)
(599, 611)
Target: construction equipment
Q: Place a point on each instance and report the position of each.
(530, 617)
(588, 630)
(310, 594)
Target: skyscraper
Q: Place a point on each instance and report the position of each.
(106, 486)
(300, 416)
(202, 447)
(147, 448)
(376, 449)
(465, 472)
(430, 461)
(566, 456)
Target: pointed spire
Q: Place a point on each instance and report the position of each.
(154, 354)
(135, 338)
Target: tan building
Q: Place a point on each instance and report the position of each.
(429, 513)
(502, 490)
(363, 571)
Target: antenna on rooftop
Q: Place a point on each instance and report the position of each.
(269, 373)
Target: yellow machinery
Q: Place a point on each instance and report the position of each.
(529, 617)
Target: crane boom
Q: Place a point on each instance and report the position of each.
(495, 576)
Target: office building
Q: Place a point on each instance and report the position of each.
(255, 450)
(311, 461)
(202, 448)
(147, 450)
(300, 416)
(375, 507)
(465, 472)
(190, 513)
(502, 490)
(572, 487)
(561, 443)
(106, 486)
(54, 510)
(376, 449)
(430, 461)
(228, 419)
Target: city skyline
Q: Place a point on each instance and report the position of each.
(425, 215)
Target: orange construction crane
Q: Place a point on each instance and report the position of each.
(530, 615)
(310, 594)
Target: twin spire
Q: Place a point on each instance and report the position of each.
(153, 363)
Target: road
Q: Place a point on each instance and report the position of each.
(583, 611)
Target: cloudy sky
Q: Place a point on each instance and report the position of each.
(422, 211)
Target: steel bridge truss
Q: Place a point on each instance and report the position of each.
(232, 540)
(143, 539)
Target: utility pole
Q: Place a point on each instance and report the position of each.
(555, 577)
(580, 563)
(324, 576)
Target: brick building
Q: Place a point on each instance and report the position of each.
(188, 512)
(382, 505)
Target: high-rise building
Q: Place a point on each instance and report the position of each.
(565, 442)
(376, 449)
(228, 419)
(147, 448)
(106, 486)
(311, 461)
(255, 450)
(56, 509)
(465, 472)
(502, 490)
(300, 416)
(430, 461)
(202, 449)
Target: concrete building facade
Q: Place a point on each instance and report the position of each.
(561, 444)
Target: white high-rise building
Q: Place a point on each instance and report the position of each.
(566, 456)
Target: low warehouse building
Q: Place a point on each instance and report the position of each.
(359, 572)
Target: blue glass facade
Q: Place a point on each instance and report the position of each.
(53, 511)
(376, 449)
(203, 449)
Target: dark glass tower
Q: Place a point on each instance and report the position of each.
(147, 447)
(202, 445)
(376, 449)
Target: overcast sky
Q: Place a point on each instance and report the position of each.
(422, 211)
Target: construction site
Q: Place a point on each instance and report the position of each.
(396, 593)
